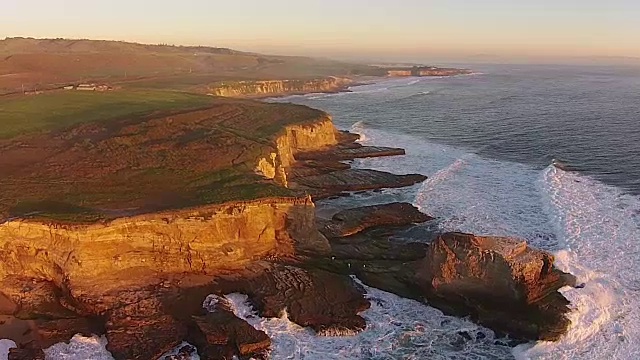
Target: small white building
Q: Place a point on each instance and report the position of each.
(86, 87)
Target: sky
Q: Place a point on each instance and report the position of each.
(382, 29)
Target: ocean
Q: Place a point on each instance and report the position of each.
(550, 154)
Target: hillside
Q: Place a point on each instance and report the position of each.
(38, 64)
(189, 150)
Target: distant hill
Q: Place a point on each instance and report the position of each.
(35, 64)
(20, 45)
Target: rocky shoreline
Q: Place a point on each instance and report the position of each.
(304, 268)
(273, 88)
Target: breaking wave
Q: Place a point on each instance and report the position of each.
(80, 348)
(600, 230)
(592, 228)
(397, 328)
(5, 345)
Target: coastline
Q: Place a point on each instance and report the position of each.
(322, 175)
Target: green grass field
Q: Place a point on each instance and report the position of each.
(138, 165)
(55, 110)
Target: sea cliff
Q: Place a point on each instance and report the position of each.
(296, 139)
(263, 88)
(151, 277)
(203, 240)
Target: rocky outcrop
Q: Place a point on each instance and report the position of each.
(296, 139)
(426, 71)
(351, 152)
(141, 280)
(326, 302)
(144, 322)
(278, 87)
(352, 221)
(308, 159)
(220, 334)
(399, 72)
(383, 253)
(336, 182)
(500, 282)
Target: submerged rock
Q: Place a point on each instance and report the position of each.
(500, 282)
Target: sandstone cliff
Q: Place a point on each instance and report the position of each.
(295, 139)
(203, 240)
(277, 87)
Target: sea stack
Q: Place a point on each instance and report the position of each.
(500, 282)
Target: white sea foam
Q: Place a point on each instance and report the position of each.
(593, 229)
(397, 328)
(80, 348)
(467, 192)
(5, 345)
(89, 348)
(176, 351)
(600, 229)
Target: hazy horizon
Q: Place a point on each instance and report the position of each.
(405, 30)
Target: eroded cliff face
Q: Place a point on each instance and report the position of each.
(277, 87)
(295, 139)
(201, 240)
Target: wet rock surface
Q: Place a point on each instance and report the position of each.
(219, 334)
(500, 282)
(351, 152)
(352, 221)
(332, 183)
(328, 303)
(50, 332)
(321, 173)
(145, 337)
(26, 353)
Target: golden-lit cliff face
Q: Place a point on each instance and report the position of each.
(278, 87)
(297, 138)
(201, 240)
